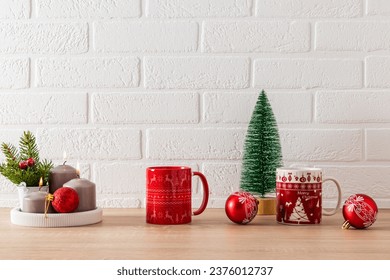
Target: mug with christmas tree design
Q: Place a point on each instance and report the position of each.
(299, 196)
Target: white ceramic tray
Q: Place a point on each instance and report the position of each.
(56, 220)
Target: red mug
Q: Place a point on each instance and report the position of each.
(168, 195)
(299, 196)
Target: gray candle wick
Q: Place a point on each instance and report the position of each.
(64, 162)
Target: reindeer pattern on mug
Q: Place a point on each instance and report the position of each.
(168, 197)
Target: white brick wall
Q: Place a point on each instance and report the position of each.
(43, 38)
(255, 36)
(87, 72)
(88, 9)
(15, 9)
(200, 8)
(196, 72)
(353, 36)
(378, 7)
(309, 8)
(125, 84)
(43, 108)
(122, 108)
(130, 36)
(308, 73)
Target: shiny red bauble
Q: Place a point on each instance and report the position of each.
(65, 200)
(241, 207)
(359, 211)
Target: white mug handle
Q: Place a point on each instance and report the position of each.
(334, 211)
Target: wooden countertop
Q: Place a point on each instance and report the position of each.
(123, 234)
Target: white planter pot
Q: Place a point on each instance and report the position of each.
(23, 191)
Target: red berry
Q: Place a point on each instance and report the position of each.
(30, 162)
(23, 164)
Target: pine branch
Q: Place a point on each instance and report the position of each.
(10, 152)
(30, 174)
(43, 170)
(28, 147)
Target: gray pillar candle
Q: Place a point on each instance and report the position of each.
(60, 175)
(35, 203)
(86, 191)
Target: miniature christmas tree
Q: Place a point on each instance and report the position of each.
(262, 150)
(24, 165)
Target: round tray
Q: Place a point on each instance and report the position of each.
(56, 220)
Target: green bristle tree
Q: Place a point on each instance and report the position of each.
(262, 150)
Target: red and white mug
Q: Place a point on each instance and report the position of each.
(169, 194)
(299, 196)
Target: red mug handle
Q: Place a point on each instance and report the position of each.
(205, 192)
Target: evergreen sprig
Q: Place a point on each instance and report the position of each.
(27, 149)
(262, 150)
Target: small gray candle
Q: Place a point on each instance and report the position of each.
(60, 175)
(35, 202)
(86, 191)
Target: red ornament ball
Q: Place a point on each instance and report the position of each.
(30, 162)
(241, 207)
(359, 211)
(65, 200)
(23, 164)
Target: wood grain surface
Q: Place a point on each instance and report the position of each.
(123, 234)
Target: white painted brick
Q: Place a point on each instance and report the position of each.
(321, 144)
(238, 107)
(120, 178)
(196, 72)
(308, 73)
(7, 187)
(121, 108)
(45, 108)
(223, 178)
(378, 7)
(370, 180)
(377, 144)
(130, 36)
(199, 8)
(352, 107)
(352, 36)
(110, 201)
(15, 9)
(9, 200)
(43, 38)
(88, 72)
(208, 143)
(309, 8)
(378, 71)
(88, 9)
(90, 143)
(255, 36)
(14, 73)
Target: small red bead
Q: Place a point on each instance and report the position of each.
(30, 162)
(23, 164)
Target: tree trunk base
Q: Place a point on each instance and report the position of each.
(267, 206)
